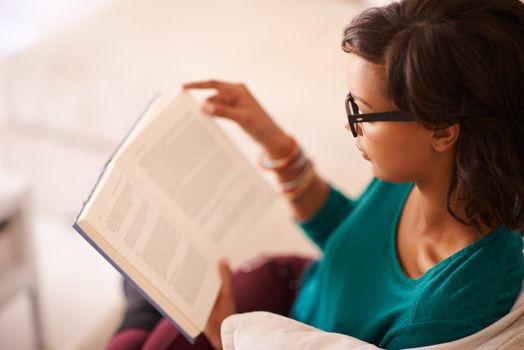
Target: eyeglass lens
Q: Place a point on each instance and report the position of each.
(353, 110)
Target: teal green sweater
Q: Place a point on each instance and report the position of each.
(358, 287)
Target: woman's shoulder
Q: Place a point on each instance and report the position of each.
(479, 284)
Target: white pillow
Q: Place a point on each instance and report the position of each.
(264, 330)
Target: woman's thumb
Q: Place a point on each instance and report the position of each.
(226, 275)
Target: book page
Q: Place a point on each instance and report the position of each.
(151, 246)
(188, 164)
(174, 194)
(155, 106)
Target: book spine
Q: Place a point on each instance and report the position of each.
(104, 168)
(133, 284)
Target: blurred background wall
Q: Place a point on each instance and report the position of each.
(74, 76)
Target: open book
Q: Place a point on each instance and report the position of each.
(172, 195)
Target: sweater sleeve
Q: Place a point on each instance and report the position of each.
(429, 333)
(336, 208)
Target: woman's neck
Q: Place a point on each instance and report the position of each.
(432, 218)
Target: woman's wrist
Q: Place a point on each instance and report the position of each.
(300, 183)
(278, 146)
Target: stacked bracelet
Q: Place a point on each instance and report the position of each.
(295, 159)
(280, 164)
(296, 187)
(292, 185)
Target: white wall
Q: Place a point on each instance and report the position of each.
(23, 22)
(66, 101)
(71, 97)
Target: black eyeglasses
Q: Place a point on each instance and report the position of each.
(354, 116)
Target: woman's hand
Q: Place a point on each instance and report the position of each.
(235, 102)
(225, 306)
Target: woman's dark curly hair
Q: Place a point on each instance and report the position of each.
(459, 61)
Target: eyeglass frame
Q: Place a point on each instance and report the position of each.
(356, 117)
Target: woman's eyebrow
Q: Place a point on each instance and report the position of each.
(361, 100)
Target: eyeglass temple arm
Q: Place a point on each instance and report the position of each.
(382, 117)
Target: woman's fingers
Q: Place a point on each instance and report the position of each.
(222, 110)
(222, 99)
(235, 102)
(209, 84)
(223, 104)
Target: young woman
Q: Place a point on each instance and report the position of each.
(432, 250)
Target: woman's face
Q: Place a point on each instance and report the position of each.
(398, 151)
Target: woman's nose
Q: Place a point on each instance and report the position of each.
(357, 125)
(359, 129)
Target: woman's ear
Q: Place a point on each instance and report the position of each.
(445, 138)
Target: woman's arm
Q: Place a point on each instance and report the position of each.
(314, 197)
(235, 102)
